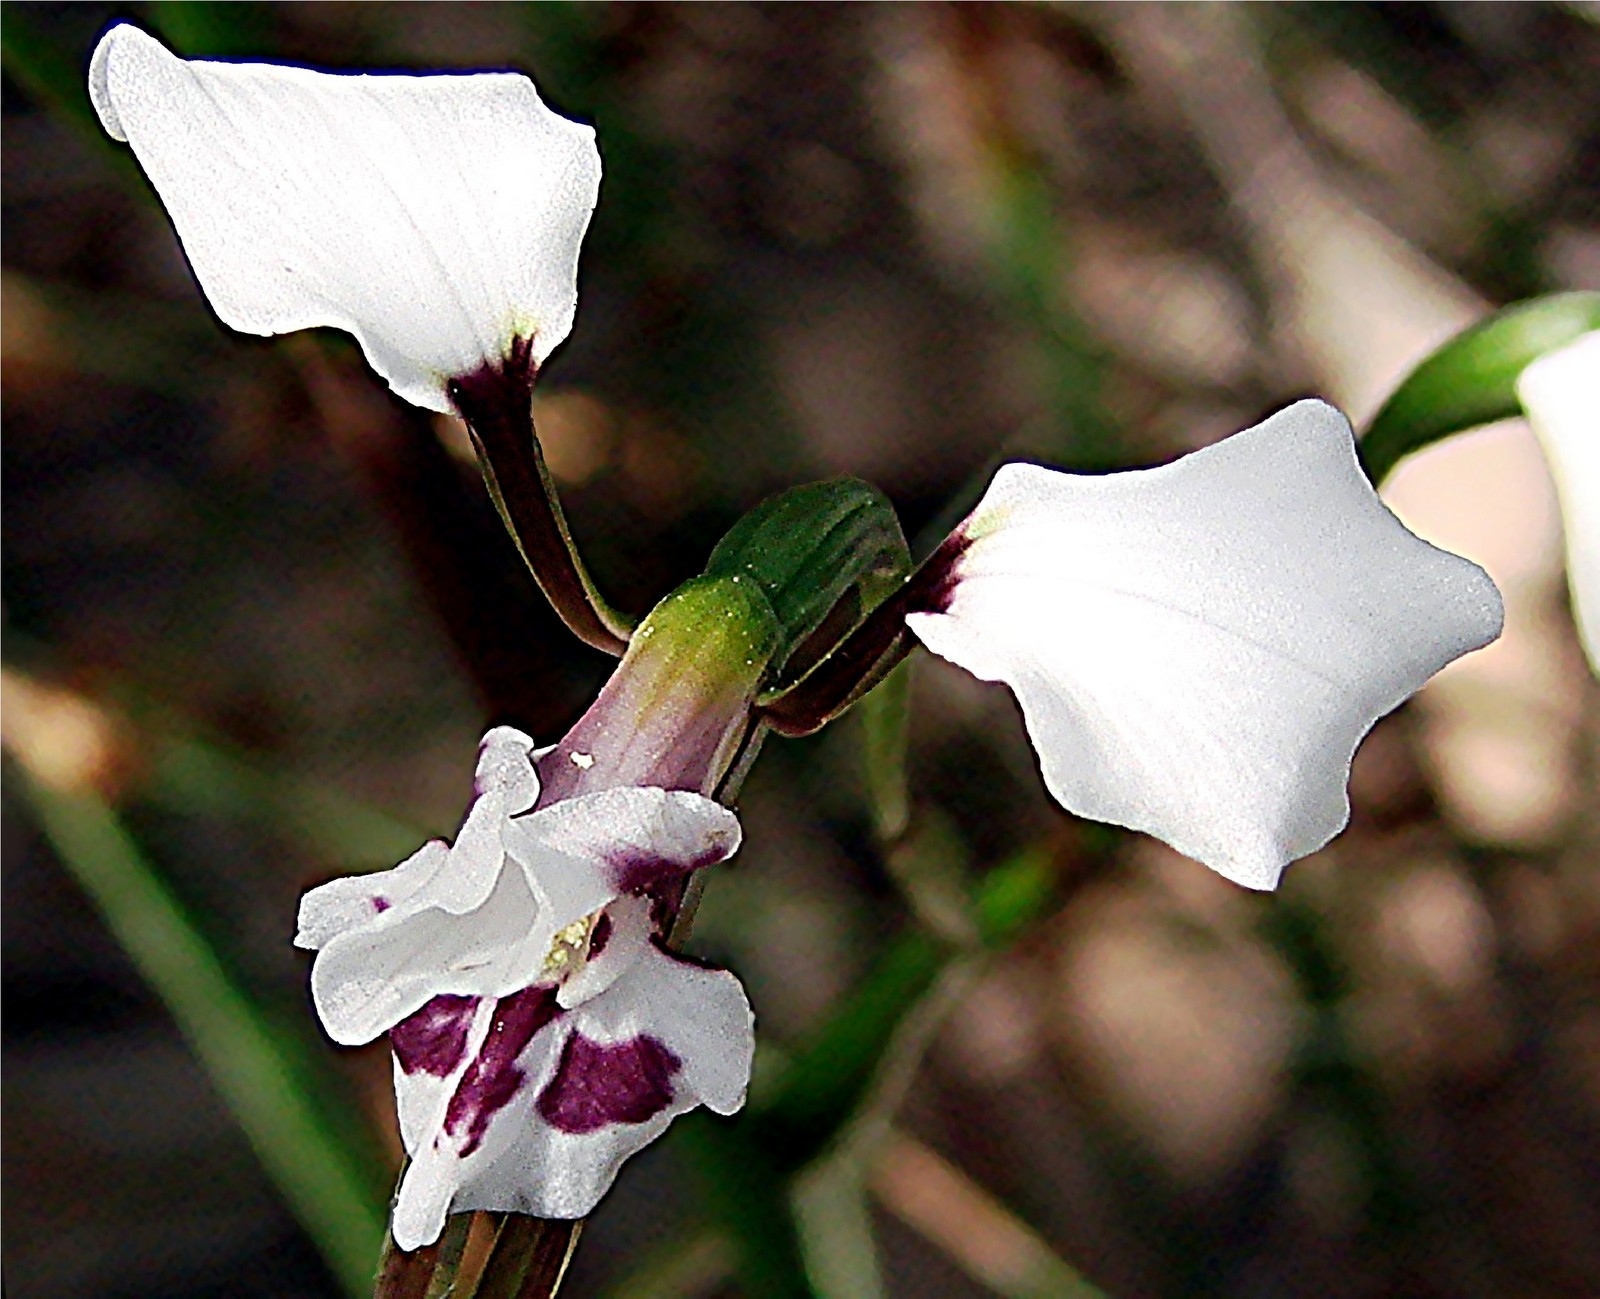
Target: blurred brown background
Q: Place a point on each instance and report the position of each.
(898, 242)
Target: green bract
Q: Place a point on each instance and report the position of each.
(1472, 379)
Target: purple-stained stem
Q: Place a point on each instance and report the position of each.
(497, 404)
(870, 652)
(677, 712)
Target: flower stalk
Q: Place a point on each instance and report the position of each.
(496, 402)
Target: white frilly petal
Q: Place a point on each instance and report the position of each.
(366, 980)
(637, 836)
(1199, 648)
(1561, 394)
(437, 218)
(356, 900)
(523, 1162)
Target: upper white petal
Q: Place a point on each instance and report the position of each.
(434, 217)
(359, 900)
(1561, 394)
(1199, 648)
(627, 835)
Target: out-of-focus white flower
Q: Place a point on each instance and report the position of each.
(1561, 394)
(541, 1032)
(1199, 648)
(437, 218)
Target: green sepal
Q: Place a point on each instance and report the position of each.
(824, 555)
(1472, 379)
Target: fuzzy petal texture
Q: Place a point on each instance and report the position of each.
(1199, 648)
(1561, 394)
(437, 218)
(544, 1104)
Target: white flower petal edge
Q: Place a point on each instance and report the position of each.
(481, 918)
(530, 1105)
(437, 218)
(1561, 394)
(1199, 648)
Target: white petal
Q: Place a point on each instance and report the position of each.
(702, 1020)
(436, 217)
(637, 837)
(621, 936)
(1561, 393)
(358, 900)
(505, 765)
(1199, 648)
(702, 1015)
(366, 980)
(479, 1115)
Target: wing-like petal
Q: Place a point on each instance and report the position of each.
(366, 980)
(356, 901)
(1199, 648)
(1561, 393)
(632, 838)
(437, 218)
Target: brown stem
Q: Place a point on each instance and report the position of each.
(870, 652)
(497, 404)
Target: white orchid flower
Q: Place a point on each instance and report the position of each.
(541, 1032)
(1199, 648)
(437, 218)
(1561, 394)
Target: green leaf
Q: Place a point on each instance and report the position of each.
(327, 1175)
(824, 555)
(1472, 379)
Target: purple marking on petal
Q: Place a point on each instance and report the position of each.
(497, 391)
(380, 904)
(434, 1038)
(638, 870)
(932, 588)
(493, 1079)
(600, 935)
(596, 1085)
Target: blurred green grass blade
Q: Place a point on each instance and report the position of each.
(884, 717)
(55, 76)
(330, 1182)
(745, 1191)
(693, 1262)
(836, 1236)
(971, 1224)
(1472, 379)
(828, 1078)
(196, 776)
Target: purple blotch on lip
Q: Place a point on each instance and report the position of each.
(596, 1084)
(434, 1038)
(637, 870)
(600, 935)
(492, 1079)
(380, 904)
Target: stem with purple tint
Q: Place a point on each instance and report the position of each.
(497, 404)
(870, 652)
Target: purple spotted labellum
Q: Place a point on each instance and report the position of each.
(542, 1031)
